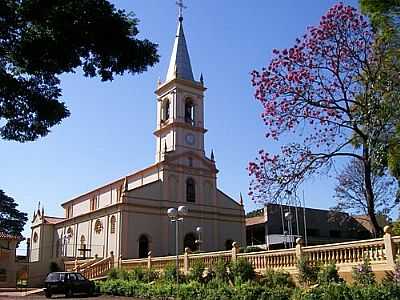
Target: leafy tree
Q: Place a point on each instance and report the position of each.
(12, 221)
(41, 39)
(351, 191)
(383, 13)
(385, 16)
(324, 92)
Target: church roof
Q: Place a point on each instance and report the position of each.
(179, 65)
(53, 220)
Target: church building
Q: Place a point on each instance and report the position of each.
(128, 216)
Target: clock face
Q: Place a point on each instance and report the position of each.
(190, 139)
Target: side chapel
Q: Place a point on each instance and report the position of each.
(129, 216)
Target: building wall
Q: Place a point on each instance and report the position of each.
(8, 265)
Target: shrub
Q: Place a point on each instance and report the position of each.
(308, 273)
(241, 271)
(362, 274)
(276, 279)
(250, 291)
(137, 274)
(170, 274)
(151, 275)
(342, 291)
(197, 271)
(113, 273)
(393, 277)
(329, 274)
(219, 271)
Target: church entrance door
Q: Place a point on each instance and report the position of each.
(143, 246)
(190, 242)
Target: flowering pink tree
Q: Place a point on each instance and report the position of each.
(322, 92)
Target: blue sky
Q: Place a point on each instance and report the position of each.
(109, 133)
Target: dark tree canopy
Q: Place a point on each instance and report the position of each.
(12, 221)
(41, 39)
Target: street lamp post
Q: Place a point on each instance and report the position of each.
(199, 241)
(176, 216)
(288, 217)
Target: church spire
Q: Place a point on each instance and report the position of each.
(179, 65)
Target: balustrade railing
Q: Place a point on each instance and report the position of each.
(345, 253)
(276, 259)
(99, 269)
(382, 251)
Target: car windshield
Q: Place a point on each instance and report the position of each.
(52, 277)
(80, 277)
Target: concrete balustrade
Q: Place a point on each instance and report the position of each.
(380, 252)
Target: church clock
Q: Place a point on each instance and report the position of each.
(190, 139)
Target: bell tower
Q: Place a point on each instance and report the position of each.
(180, 104)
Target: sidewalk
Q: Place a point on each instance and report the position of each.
(10, 292)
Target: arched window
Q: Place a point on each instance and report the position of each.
(35, 237)
(190, 190)
(70, 233)
(190, 242)
(98, 226)
(113, 222)
(143, 246)
(189, 112)
(228, 244)
(166, 110)
(83, 240)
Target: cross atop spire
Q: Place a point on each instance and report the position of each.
(181, 7)
(179, 65)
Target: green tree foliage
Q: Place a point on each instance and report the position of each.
(385, 18)
(383, 13)
(12, 221)
(41, 39)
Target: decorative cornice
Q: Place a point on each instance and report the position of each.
(172, 84)
(176, 124)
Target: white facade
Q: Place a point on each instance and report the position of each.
(128, 216)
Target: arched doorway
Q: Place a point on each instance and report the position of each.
(190, 242)
(143, 246)
(228, 244)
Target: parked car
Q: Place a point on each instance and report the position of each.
(67, 283)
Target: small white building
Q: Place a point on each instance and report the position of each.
(129, 215)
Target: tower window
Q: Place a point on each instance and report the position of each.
(190, 190)
(190, 162)
(166, 110)
(113, 224)
(189, 112)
